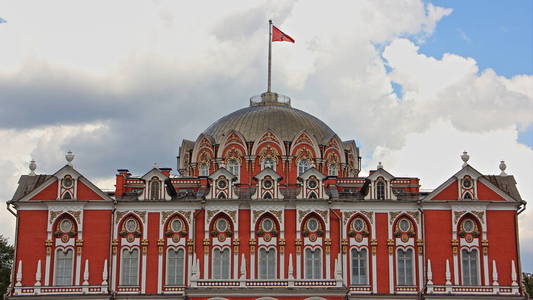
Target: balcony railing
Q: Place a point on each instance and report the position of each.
(319, 283)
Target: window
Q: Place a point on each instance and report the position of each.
(176, 225)
(312, 225)
(303, 165)
(130, 267)
(332, 170)
(63, 269)
(233, 167)
(267, 225)
(469, 267)
(131, 225)
(175, 262)
(269, 163)
(313, 264)
(267, 264)
(380, 190)
(405, 267)
(204, 169)
(65, 226)
(468, 226)
(359, 273)
(221, 225)
(404, 225)
(358, 225)
(154, 189)
(221, 264)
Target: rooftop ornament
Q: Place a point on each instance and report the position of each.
(32, 167)
(503, 166)
(69, 157)
(465, 157)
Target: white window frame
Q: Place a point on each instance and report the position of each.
(204, 169)
(314, 250)
(221, 249)
(152, 189)
(175, 249)
(366, 266)
(61, 249)
(478, 266)
(413, 270)
(234, 163)
(301, 166)
(122, 265)
(378, 182)
(260, 268)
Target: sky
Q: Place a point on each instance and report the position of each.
(121, 83)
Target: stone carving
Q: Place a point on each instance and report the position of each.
(141, 214)
(76, 214)
(392, 216)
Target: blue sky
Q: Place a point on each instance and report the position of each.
(497, 34)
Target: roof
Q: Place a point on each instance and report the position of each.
(252, 122)
(27, 184)
(505, 183)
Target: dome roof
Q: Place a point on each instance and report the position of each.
(268, 113)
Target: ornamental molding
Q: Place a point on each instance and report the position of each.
(76, 214)
(257, 213)
(458, 214)
(186, 214)
(305, 212)
(121, 214)
(347, 215)
(394, 214)
(231, 213)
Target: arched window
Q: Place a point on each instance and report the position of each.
(234, 167)
(175, 263)
(269, 162)
(469, 267)
(129, 267)
(313, 264)
(359, 267)
(267, 264)
(332, 170)
(380, 190)
(154, 189)
(63, 268)
(221, 261)
(405, 267)
(204, 169)
(303, 165)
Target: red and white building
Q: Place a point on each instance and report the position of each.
(267, 203)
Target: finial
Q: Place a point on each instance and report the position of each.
(503, 166)
(380, 166)
(465, 157)
(32, 167)
(69, 157)
(155, 166)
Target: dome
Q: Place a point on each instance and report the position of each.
(267, 112)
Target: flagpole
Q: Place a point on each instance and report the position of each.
(269, 53)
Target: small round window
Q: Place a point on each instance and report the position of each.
(267, 183)
(176, 225)
(68, 182)
(468, 226)
(222, 184)
(131, 225)
(267, 225)
(404, 225)
(65, 226)
(358, 225)
(222, 225)
(312, 224)
(312, 183)
(467, 182)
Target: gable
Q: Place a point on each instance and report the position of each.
(486, 193)
(448, 193)
(48, 193)
(86, 193)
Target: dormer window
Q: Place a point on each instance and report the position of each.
(303, 165)
(155, 186)
(269, 162)
(380, 190)
(234, 167)
(332, 170)
(204, 169)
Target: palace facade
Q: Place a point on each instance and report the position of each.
(267, 203)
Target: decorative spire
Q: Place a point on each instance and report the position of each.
(513, 274)
(494, 273)
(465, 157)
(32, 167)
(243, 268)
(430, 273)
(86, 273)
(69, 157)
(448, 274)
(155, 166)
(290, 270)
(104, 273)
(19, 274)
(38, 274)
(503, 166)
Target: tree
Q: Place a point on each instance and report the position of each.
(528, 283)
(6, 262)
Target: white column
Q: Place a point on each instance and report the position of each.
(374, 272)
(391, 273)
(299, 265)
(252, 264)
(328, 265)
(420, 272)
(143, 275)
(160, 272)
(344, 268)
(282, 265)
(78, 268)
(114, 271)
(47, 270)
(456, 268)
(485, 269)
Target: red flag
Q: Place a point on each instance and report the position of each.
(279, 36)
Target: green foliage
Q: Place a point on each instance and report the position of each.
(6, 262)
(528, 283)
